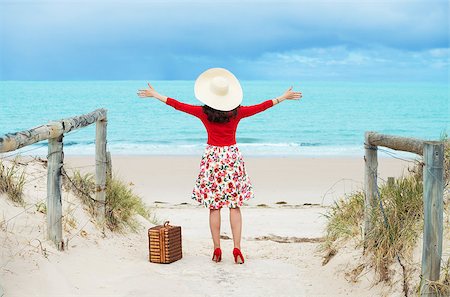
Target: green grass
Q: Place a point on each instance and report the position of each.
(12, 181)
(121, 207)
(403, 205)
(344, 220)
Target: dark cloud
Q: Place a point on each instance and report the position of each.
(176, 39)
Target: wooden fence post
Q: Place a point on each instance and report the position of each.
(433, 191)
(108, 166)
(100, 168)
(54, 206)
(370, 184)
(391, 181)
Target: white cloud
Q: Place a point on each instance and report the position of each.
(335, 62)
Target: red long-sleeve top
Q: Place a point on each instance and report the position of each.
(220, 134)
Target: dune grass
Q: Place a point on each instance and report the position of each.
(344, 221)
(122, 205)
(12, 181)
(394, 235)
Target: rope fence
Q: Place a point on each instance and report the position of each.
(433, 190)
(54, 132)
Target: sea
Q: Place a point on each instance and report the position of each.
(330, 119)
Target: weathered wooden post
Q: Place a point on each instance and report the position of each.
(370, 184)
(54, 132)
(100, 167)
(54, 205)
(390, 181)
(433, 191)
(108, 166)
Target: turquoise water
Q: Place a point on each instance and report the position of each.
(330, 119)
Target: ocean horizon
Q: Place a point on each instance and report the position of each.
(330, 119)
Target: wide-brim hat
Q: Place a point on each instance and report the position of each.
(218, 88)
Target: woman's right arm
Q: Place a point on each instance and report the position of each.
(148, 93)
(194, 110)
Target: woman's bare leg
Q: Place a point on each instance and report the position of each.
(236, 226)
(214, 225)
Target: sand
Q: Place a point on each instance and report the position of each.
(293, 180)
(280, 241)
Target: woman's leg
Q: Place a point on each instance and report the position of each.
(214, 225)
(236, 226)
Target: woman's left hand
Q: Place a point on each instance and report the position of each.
(291, 95)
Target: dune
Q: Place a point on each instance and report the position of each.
(282, 231)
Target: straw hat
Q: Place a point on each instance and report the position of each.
(218, 88)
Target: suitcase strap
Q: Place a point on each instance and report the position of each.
(162, 244)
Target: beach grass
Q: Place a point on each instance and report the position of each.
(12, 181)
(397, 230)
(343, 222)
(397, 225)
(121, 206)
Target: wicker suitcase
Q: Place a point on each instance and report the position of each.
(165, 243)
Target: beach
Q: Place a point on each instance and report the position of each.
(106, 109)
(282, 230)
(294, 180)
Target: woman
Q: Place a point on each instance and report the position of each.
(222, 180)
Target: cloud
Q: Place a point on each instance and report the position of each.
(341, 63)
(101, 39)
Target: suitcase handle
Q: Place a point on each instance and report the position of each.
(166, 223)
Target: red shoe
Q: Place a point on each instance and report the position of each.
(217, 255)
(238, 258)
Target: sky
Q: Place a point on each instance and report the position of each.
(352, 40)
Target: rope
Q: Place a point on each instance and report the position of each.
(79, 230)
(395, 155)
(335, 183)
(370, 147)
(63, 172)
(76, 167)
(21, 152)
(22, 212)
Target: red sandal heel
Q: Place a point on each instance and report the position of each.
(238, 258)
(217, 255)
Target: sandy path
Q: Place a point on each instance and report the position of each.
(105, 264)
(117, 265)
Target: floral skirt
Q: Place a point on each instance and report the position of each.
(222, 180)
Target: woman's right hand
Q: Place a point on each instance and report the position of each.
(150, 92)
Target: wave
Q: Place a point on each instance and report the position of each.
(145, 148)
(75, 143)
(248, 149)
